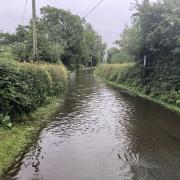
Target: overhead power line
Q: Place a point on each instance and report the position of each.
(90, 5)
(24, 11)
(54, 3)
(57, 2)
(91, 11)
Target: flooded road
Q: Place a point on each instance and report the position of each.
(101, 133)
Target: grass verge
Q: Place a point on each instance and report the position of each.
(136, 92)
(15, 142)
(116, 75)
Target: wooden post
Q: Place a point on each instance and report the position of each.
(145, 61)
(34, 30)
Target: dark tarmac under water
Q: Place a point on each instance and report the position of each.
(101, 133)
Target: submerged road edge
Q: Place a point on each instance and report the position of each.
(25, 135)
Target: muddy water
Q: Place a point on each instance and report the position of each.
(101, 133)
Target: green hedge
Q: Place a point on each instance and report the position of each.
(158, 86)
(24, 87)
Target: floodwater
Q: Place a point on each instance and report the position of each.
(101, 133)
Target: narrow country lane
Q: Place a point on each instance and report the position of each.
(101, 133)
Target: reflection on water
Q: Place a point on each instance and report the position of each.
(103, 134)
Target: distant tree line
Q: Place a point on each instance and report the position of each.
(62, 37)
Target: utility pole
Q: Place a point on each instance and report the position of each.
(91, 63)
(34, 30)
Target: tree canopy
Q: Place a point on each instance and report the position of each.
(62, 37)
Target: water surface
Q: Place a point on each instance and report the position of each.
(101, 133)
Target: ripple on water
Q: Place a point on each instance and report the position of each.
(103, 134)
(129, 158)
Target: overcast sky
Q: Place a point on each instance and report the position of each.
(108, 19)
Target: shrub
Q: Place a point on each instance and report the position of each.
(25, 86)
(157, 85)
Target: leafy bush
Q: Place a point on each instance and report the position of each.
(5, 52)
(110, 71)
(119, 55)
(25, 86)
(159, 86)
(5, 121)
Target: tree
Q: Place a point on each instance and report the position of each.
(63, 29)
(7, 38)
(129, 41)
(22, 46)
(95, 49)
(118, 55)
(62, 37)
(158, 25)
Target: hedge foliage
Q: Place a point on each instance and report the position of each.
(162, 87)
(25, 86)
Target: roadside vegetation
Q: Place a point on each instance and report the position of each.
(62, 37)
(30, 87)
(25, 87)
(29, 94)
(125, 76)
(15, 141)
(152, 42)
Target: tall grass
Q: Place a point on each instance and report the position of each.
(110, 71)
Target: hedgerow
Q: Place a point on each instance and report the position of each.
(25, 86)
(163, 87)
